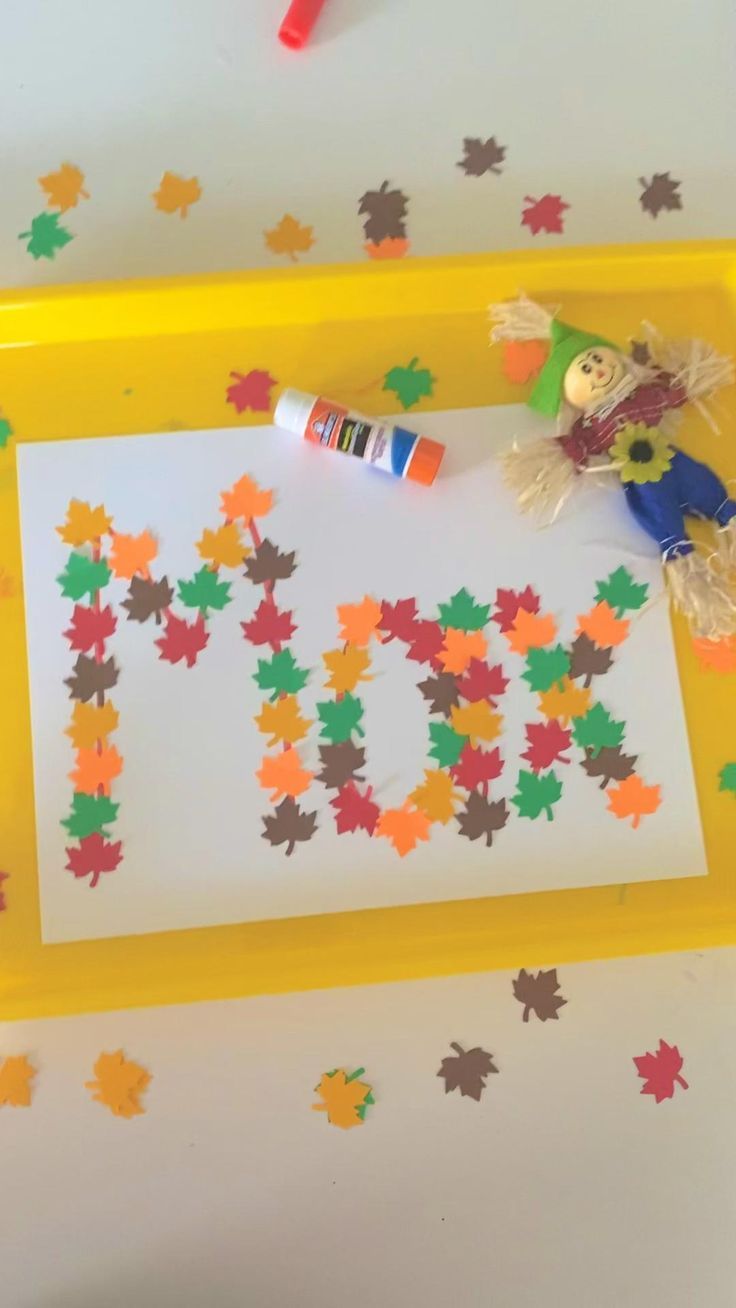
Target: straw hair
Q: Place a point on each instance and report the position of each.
(520, 320)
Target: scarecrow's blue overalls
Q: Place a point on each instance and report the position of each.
(688, 489)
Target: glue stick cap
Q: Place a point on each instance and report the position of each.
(425, 461)
(292, 411)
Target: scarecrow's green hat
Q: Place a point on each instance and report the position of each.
(567, 343)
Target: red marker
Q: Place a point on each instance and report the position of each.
(299, 21)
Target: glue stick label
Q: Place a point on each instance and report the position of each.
(337, 429)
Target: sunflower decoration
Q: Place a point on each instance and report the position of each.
(641, 453)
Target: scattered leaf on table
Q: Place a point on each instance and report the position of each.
(436, 795)
(90, 813)
(83, 576)
(530, 631)
(510, 602)
(6, 431)
(386, 210)
(284, 774)
(93, 856)
(289, 825)
(426, 642)
(476, 721)
(565, 702)
(523, 360)
(340, 718)
(447, 745)
(341, 763)
(269, 564)
(622, 593)
(222, 547)
(467, 1070)
(391, 247)
(480, 156)
(119, 1084)
(662, 192)
(355, 810)
(546, 667)
(359, 622)
(610, 764)
(269, 625)
(631, 798)
(588, 660)
(205, 591)
(283, 722)
(289, 237)
(281, 674)
(640, 353)
(16, 1075)
(132, 554)
(251, 390)
(477, 767)
(147, 598)
(660, 1072)
(482, 817)
(482, 681)
(597, 729)
(544, 215)
(538, 994)
(717, 654)
(347, 667)
(90, 627)
(84, 524)
(536, 793)
(90, 723)
(64, 188)
(409, 384)
(246, 500)
(727, 778)
(546, 744)
(459, 648)
(3, 901)
(91, 678)
(463, 612)
(602, 626)
(403, 827)
(182, 640)
(344, 1098)
(96, 769)
(440, 691)
(46, 236)
(397, 620)
(176, 193)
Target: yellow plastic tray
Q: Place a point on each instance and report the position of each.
(155, 355)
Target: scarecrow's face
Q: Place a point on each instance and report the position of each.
(592, 377)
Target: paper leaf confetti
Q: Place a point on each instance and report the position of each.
(6, 431)
(544, 215)
(46, 236)
(355, 810)
(90, 813)
(440, 692)
(398, 620)
(720, 655)
(610, 764)
(631, 798)
(587, 660)
(91, 677)
(204, 591)
(463, 612)
(359, 622)
(660, 1072)
(566, 702)
(662, 192)
(289, 237)
(282, 722)
(289, 825)
(530, 631)
(459, 648)
(436, 796)
(119, 1084)
(89, 627)
(481, 817)
(597, 729)
(182, 640)
(340, 718)
(384, 223)
(409, 384)
(96, 769)
(132, 554)
(285, 774)
(83, 576)
(621, 592)
(602, 626)
(281, 675)
(246, 500)
(536, 794)
(538, 994)
(341, 763)
(477, 767)
(269, 625)
(16, 1074)
(93, 856)
(481, 681)
(547, 743)
(546, 668)
(481, 157)
(268, 563)
(64, 188)
(251, 390)
(175, 194)
(91, 723)
(727, 778)
(147, 598)
(4, 876)
(404, 827)
(476, 721)
(447, 745)
(84, 525)
(467, 1071)
(347, 667)
(344, 1098)
(523, 360)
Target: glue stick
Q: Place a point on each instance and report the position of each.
(392, 449)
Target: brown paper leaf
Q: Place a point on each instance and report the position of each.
(467, 1071)
(537, 994)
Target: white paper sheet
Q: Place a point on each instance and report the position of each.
(191, 808)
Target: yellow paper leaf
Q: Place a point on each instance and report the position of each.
(223, 546)
(347, 667)
(16, 1075)
(359, 621)
(282, 721)
(90, 723)
(436, 796)
(289, 237)
(132, 554)
(83, 523)
(342, 1098)
(478, 721)
(565, 701)
(460, 648)
(119, 1084)
(64, 188)
(176, 192)
(284, 774)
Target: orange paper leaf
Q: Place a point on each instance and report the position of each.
(289, 237)
(16, 1075)
(83, 523)
(223, 547)
(531, 631)
(342, 1098)
(717, 654)
(565, 701)
(632, 799)
(602, 626)
(95, 769)
(132, 554)
(246, 500)
(282, 721)
(90, 723)
(176, 192)
(403, 827)
(359, 621)
(523, 360)
(460, 648)
(284, 774)
(119, 1084)
(64, 188)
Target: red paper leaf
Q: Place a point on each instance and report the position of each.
(482, 682)
(476, 767)
(182, 640)
(547, 742)
(426, 642)
(90, 627)
(269, 625)
(251, 391)
(661, 1071)
(93, 856)
(508, 603)
(355, 811)
(543, 215)
(3, 903)
(399, 619)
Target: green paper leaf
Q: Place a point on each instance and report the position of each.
(83, 576)
(90, 813)
(536, 792)
(463, 613)
(340, 718)
(409, 384)
(545, 667)
(597, 730)
(281, 674)
(204, 591)
(6, 431)
(622, 592)
(727, 778)
(447, 745)
(46, 236)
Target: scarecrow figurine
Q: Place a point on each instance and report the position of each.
(619, 415)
